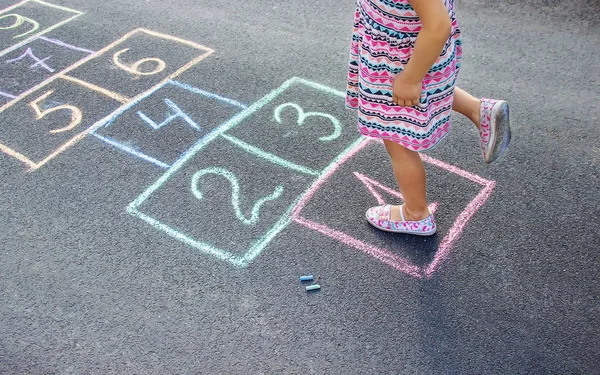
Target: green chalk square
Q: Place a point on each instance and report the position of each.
(307, 124)
(257, 247)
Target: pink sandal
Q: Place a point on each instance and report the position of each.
(494, 131)
(379, 217)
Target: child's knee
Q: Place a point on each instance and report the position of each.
(395, 149)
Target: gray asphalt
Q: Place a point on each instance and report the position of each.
(87, 286)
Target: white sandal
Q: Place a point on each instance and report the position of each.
(379, 217)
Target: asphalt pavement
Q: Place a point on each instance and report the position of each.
(168, 171)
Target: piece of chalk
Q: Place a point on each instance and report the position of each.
(313, 287)
(306, 278)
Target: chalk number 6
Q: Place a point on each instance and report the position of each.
(135, 68)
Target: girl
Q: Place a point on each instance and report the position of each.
(404, 60)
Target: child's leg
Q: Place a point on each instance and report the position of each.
(467, 104)
(410, 175)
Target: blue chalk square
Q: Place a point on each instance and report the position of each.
(162, 125)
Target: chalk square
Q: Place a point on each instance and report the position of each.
(67, 112)
(220, 134)
(307, 125)
(63, 75)
(29, 19)
(463, 194)
(225, 202)
(35, 62)
(160, 126)
(139, 61)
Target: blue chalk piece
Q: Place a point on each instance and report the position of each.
(313, 287)
(306, 278)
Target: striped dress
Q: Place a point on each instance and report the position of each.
(382, 43)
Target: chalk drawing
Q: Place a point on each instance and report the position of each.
(135, 68)
(373, 185)
(19, 20)
(387, 257)
(65, 45)
(131, 150)
(235, 194)
(207, 94)
(135, 207)
(75, 112)
(34, 165)
(7, 95)
(38, 62)
(302, 116)
(178, 113)
(111, 94)
(137, 153)
(273, 158)
(29, 53)
(41, 8)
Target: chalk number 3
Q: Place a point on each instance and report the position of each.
(302, 116)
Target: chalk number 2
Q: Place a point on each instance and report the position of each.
(235, 193)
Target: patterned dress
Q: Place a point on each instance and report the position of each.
(382, 43)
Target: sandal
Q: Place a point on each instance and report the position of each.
(379, 217)
(494, 131)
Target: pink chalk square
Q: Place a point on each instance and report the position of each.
(378, 247)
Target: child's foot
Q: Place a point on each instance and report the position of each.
(380, 218)
(494, 129)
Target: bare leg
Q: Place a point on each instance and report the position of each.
(410, 175)
(408, 167)
(467, 104)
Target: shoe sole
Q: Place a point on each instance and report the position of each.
(500, 134)
(423, 234)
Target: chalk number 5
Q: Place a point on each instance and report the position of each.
(75, 112)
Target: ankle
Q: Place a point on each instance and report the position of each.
(415, 214)
(475, 115)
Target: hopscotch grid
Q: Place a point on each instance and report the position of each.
(103, 51)
(192, 151)
(133, 103)
(131, 151)
(268, 156)
(207, 94)
(34, 166)
(258, 246)
(17, 155)
(220, 254)
(44, 31)
(111, 94)
(384, 255)
(65, 45)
